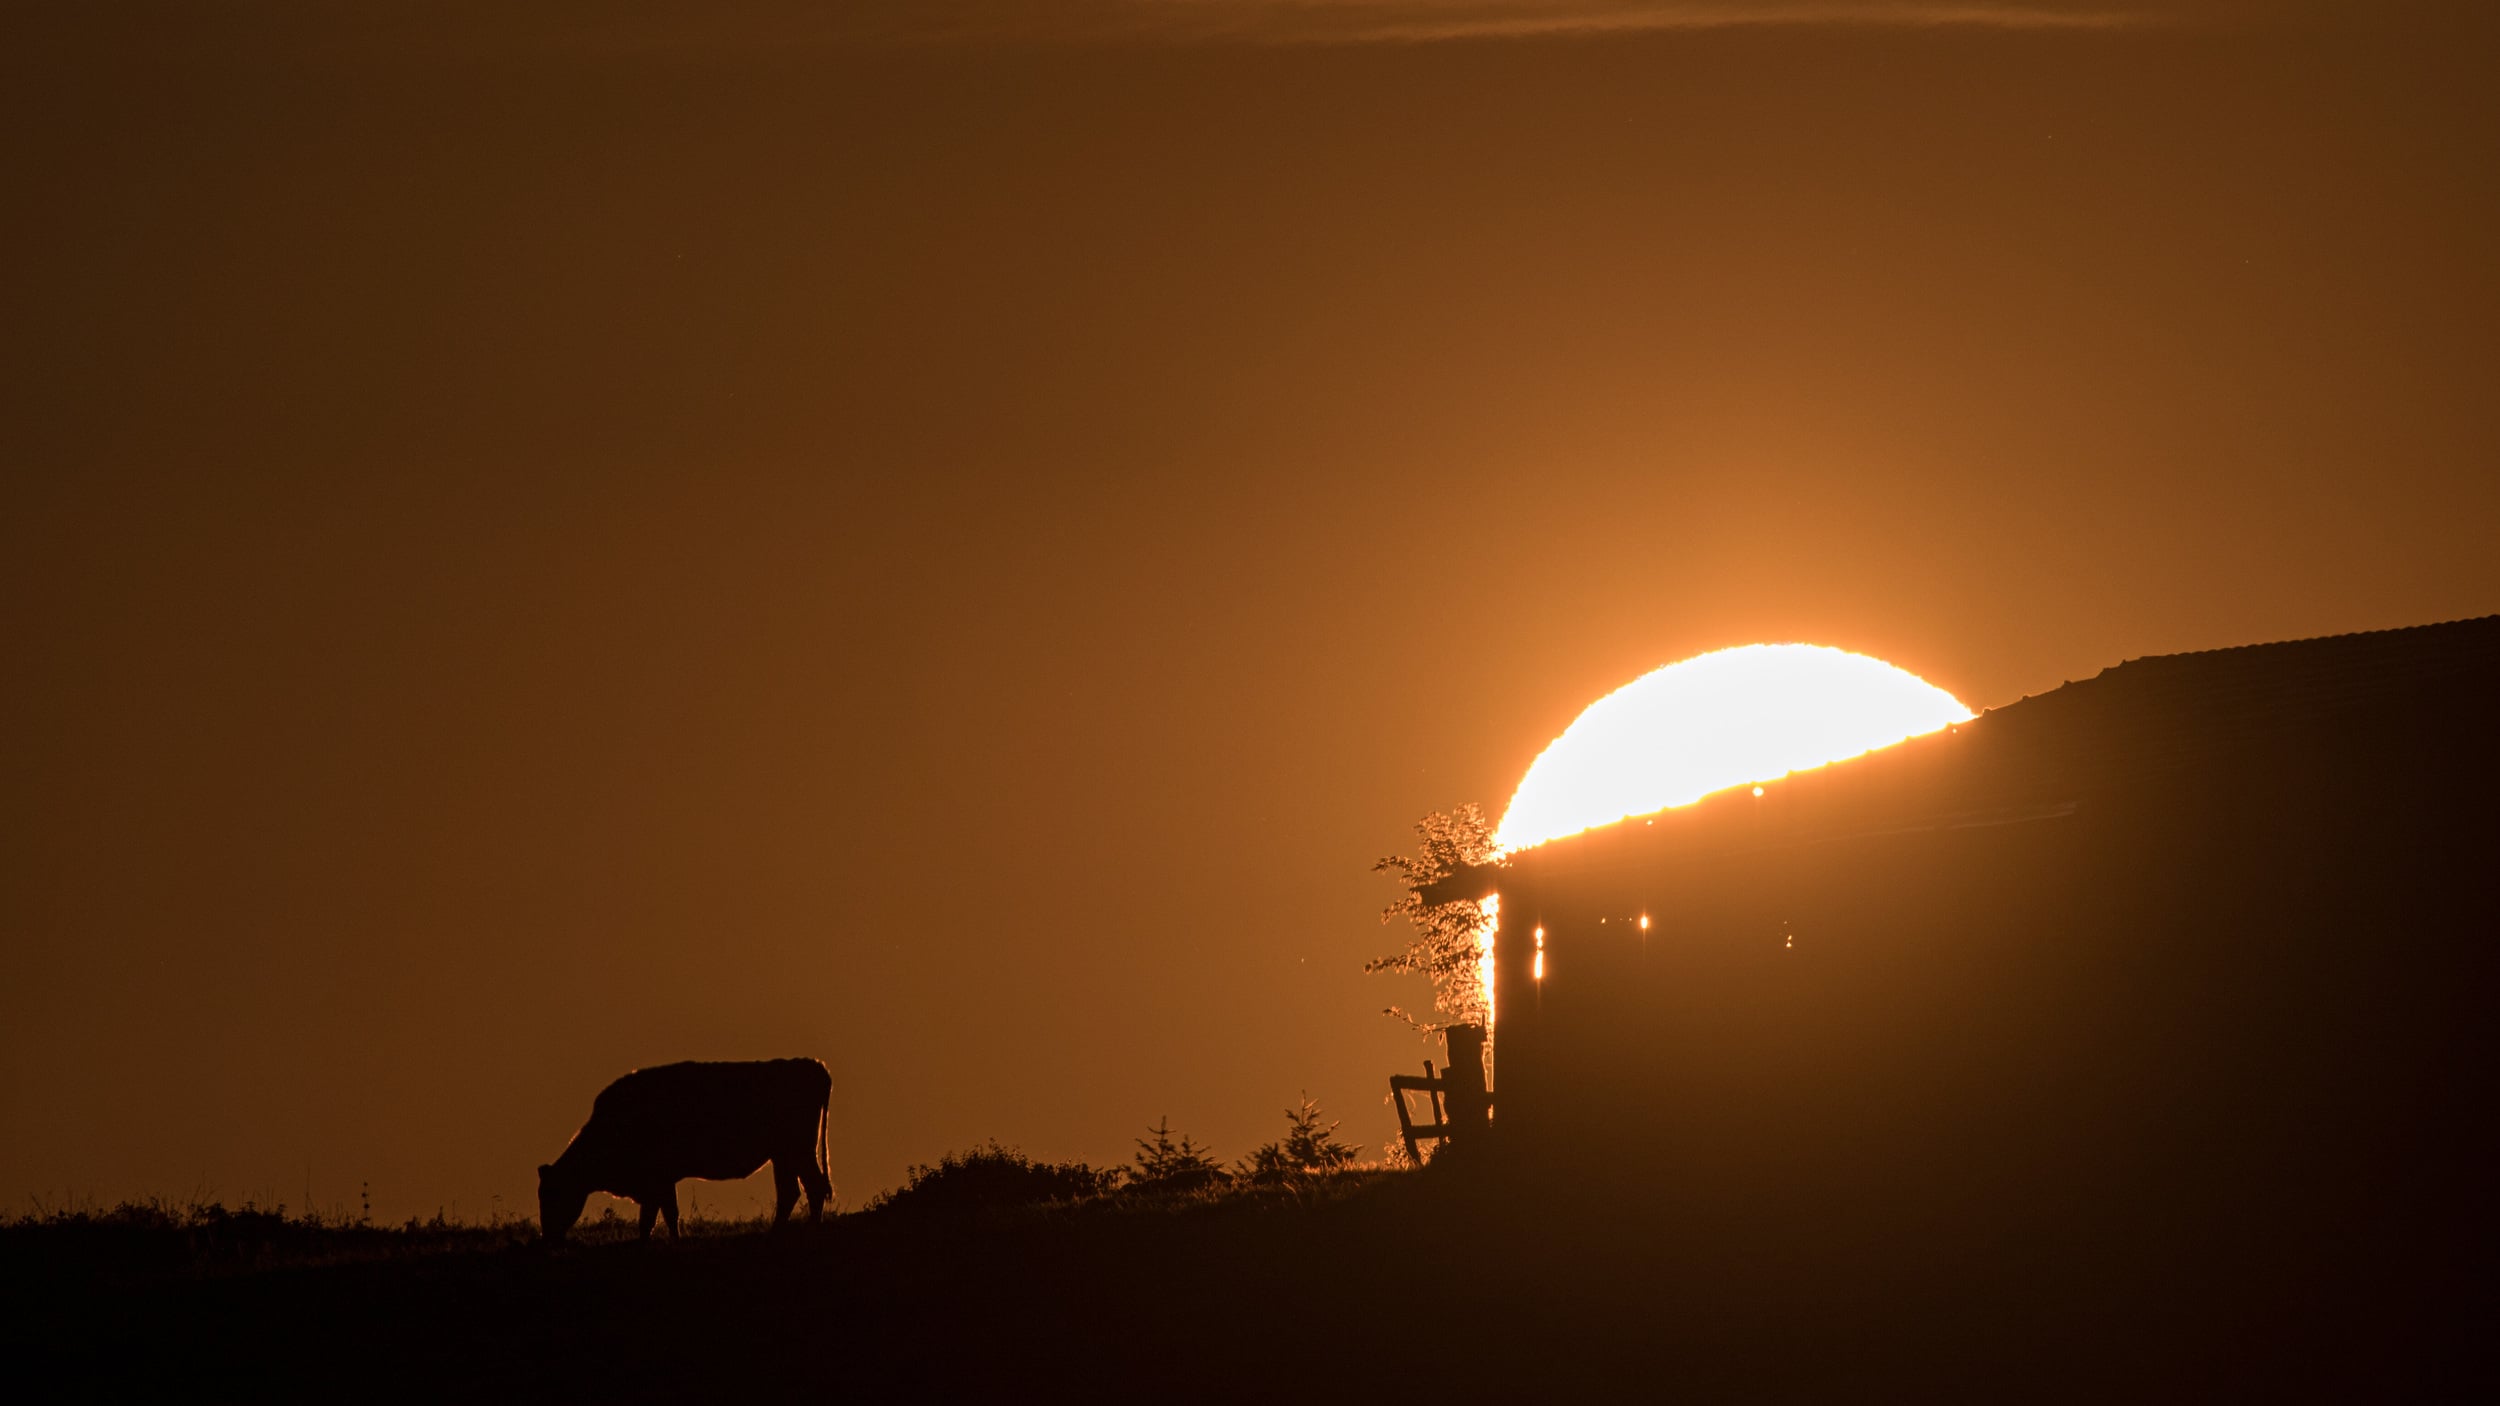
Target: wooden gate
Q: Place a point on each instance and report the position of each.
(1461, 1104)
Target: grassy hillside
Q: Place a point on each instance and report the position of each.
(1456, 1282)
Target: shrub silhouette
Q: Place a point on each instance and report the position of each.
(1165, 1165)
(994, 1177)
(1307, 1150)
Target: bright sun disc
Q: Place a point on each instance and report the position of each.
(1737, 716)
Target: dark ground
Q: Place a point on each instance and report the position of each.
(1460, 1282)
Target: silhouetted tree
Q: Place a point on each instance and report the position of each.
(1448, 942)
(1164, 1164)
(1308, 1149)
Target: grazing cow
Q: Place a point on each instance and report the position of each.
(716, 1122)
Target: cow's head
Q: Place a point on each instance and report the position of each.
(559, 1201)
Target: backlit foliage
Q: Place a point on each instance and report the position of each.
(1448, 939)
(1308, 1149)
(1165, 1163)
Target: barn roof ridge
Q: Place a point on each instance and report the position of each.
(2151, 714)
(2229, 654)
(2346, 637)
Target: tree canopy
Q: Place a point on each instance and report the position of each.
(1448, 939)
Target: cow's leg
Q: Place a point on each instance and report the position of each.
(785, 1192)
(650, 1209)
(819, 1186)
(668, 1208)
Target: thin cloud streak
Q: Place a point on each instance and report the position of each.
(1359, 22)
(401, 29)
(1428, 21)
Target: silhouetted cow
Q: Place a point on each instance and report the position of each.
(716, 1122)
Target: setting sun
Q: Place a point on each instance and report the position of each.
(1749, 714)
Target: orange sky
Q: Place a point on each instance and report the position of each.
(539, 548)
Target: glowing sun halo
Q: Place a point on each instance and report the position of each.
(1725, 719)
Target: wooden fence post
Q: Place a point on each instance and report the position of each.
(1470, 1103)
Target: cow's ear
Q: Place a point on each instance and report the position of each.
(546, 1167)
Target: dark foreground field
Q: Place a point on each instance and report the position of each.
(1456, 1282)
